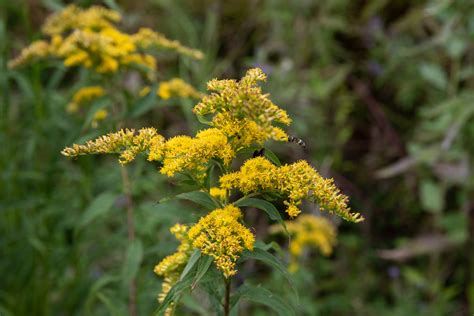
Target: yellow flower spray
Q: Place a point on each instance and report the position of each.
(240, 116)
(90, 39)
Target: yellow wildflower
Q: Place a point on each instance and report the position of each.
(296, 181)
(242, 111)
(36, 50)
(221, 236)
(72, 17)
(218, 193)
(89, 38)
(146, 38)
(308, 231)
(176, 87)
(171, 267)
(184, 153)
(84, 95)
(126, 142)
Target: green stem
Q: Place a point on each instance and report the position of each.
(245, 197)
(127, 190)
(227, 297)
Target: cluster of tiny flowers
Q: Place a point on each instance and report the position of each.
(127, 142)
(170, 268)
(242, 111)
(241, 116)
(221, 236)
(308, 231)
(90, 38)
(84, 95)
(177, 154)
(296, 181)
(177, 87)
(184, 153)
(218, 193)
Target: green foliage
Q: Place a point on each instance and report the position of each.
(381, 92)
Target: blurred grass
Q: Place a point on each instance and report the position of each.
(380, 91)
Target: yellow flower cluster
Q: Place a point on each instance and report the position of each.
(126, 142)
(221, 236)
(184, 153)
(146, 38)
(308, 231)
(171, 267)
(83, 96)
(218, 193)
(242, 111)
(297, 181)
(73, 17)
(89, 38)
(177, 87)
(178, 154)
(36, 50)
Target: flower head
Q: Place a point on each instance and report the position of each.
(296, 181)
(221, 236)
(177, 87)
(90, 38)
(184, 153)
(242, 111)
(126, 142)
(83, 96)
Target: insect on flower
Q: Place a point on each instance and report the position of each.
(259, 153)
(294, 139)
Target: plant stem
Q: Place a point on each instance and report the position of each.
(127, 190)
(227, 297)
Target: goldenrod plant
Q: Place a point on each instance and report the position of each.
(241, 119)
(90, 39)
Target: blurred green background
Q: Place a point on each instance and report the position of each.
(382, 92)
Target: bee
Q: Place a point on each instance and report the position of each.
(294, 139)
(259, 153)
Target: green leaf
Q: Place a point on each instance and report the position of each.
(94, 291)
(99, 207)
(133, 260)
(203, 267)
(201, 198)
(272, 261)
(112, 306)
(174, 293)
(434, 74)
(431, 196)
(265, 206)
(203, 120)
(191, 263)
(272, 157)
(194, 305)
(262, 296)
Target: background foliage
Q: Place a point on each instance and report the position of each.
(381, 92)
